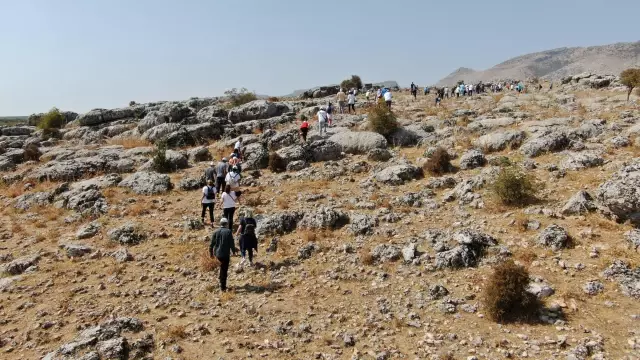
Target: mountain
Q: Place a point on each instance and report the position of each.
(555, 64)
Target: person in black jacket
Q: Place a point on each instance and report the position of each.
(247, 232)
(222, 244)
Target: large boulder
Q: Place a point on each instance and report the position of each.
(323, 218)
(498, 141)
(361, 224)
(403, 137)
(324, 150)
(212, 113)
(581, 160)
(279, 224)
(194, 134)
(398, 174)
(555, 237)
(159, 132)
(470, 249)
(292, 153)
(386, 252)
(540, 145)
(151, 120)
(127, 234)
(255, 157)
(17, 130)
(147, 183)
(69, 170)
(621, 193)
(359, 142)
(283, 139)
(580, 203)
(174, 159)
(256, 110)
(19, 265)
(472, 159)
(101, 116)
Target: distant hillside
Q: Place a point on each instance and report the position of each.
(13, 120)
(390, 83)
(557, 63)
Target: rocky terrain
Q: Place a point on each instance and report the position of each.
(363, 255)
(556, 64)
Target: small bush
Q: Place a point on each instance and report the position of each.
(439, 162)
(132, 103)
(303, 117)
(32, 152)
(51, 120)
(273, 99)
(160, 162)
(207, 263)
(382, 120)
(506, 298)
(240, 97)
(277, 163)
(513, 187)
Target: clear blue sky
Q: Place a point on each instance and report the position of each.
(83, 54)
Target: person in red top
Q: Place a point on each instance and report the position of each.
(304, 129)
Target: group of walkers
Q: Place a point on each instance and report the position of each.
(223, 185)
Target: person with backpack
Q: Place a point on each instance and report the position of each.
(235, 161)
(322, 121)
(208, 200)
(221, 172)
(351, 99)
(233, 178)
(229, 200)
(210, 172)
(222, 244)
(247, 232)
(304, 129)
(329, 113)
(237, 148)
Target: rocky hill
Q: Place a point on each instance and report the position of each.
(556, 64)
(365, 252)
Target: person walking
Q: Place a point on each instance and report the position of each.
(221, 172)
(329, 113)
(237, 148)
(248, 239)
(352, 101)
(222, 244)
(414, 90)
(387, 98)
(208, 200)
(229, 201)
(233, 178)
(342, 98)
(367, 95)
(210, 172)
(322, 121)
(304, 129)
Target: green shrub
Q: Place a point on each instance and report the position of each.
(132, 103)
(439, 162)
(277, 163)
(160, 162)
(631, 79)
(382, 120)
(505, 296)
(51, 120)
(240, 97)
(353, 82)
(514, 187)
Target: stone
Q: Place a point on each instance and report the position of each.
(403, 137)
(324, 150)
(592, 287)
(281, 223)
(256, 157)
(620, 196)
(305, 251)
(297, 165)
(19, 265)
(122, 255)
(359, 142)
(540, 290)
(628, 279)
(385, 253)
(89, 230)
(498, 141)
(199, 154)
(472, 159)
(633, 238)
(539, 145)
(147, 183)
(582, 160)
(580, 203)
(437, 292)
(102, 116)
(113, 349)
(409, 252)
(555, 237)
(159, 132)
(619, 141)
(362, 224)
(323, 217)
(470, 250)
(256, 110)
(398, 174)
(379, 155)
(76, 250)
(37, 199)
(127, 234)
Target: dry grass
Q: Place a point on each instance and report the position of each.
(505, 296)
(16, 228)
(138, 209)
(309, 236)
(207, 263)
(53, 214)
(282, 203)
(130, 143)
(439, 162)
(366, 258)
(526, 256)
(253, 201)
(227, 296)
(176, 332)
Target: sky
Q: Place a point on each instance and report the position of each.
(83, 54)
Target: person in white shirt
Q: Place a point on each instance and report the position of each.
(229, 200)
(233, 178)
(387, 98)
(446, 92)
(237, 148)
(208, 200)
(378, 94)
(322, 121)
(367, 95)
(351, 99)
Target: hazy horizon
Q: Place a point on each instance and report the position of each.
(79, 55)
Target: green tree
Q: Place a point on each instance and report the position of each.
(51, 120)
(353, 82)
(240, 97)
(631, 79)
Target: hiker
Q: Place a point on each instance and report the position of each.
(426, 90)
(237, 148)
(387, 98)
(210, 172)
(221, 172)
(322, 121)
(414, 91)
(247, 231)
(222, 244)
(351, 102)
(208, 200)
(233, 178)
(342, 98)
(304, 129)
(457, 90)
(229, 200)
(438, 99)
(551, 86)
(367, 95)
(378, 94)
(329, 113)
(445, 92)
(235, 161)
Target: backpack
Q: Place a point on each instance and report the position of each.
(211, 195)
(250, 229)
(234, 180)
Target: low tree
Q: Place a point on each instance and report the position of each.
(132, 103)
(240, 97)
(382, 120)
(353, 82)
(631, 79)
(50, 123)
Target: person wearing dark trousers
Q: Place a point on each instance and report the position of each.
(208, 200)
(247, 232)
(221, 172)
(229, 203)
(222, 245)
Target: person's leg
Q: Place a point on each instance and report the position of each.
(224, 269)
(225, 213)
(230, 218)
(250, 255)
(211, 213)
(204, 208)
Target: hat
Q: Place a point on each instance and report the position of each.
(224, 221)
(224, 159)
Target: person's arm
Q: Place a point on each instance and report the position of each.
(212, 244)
(233, 244)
